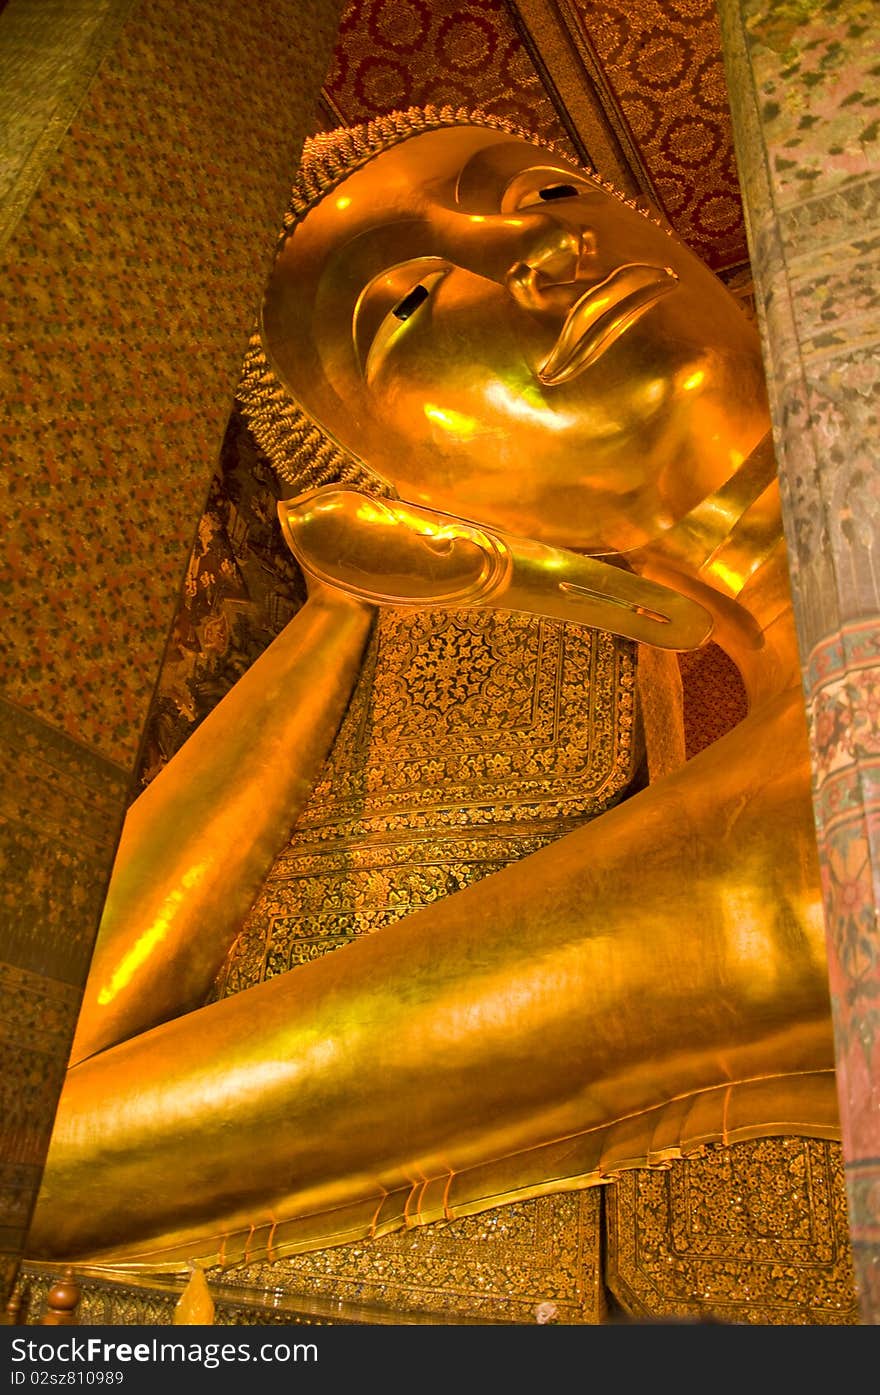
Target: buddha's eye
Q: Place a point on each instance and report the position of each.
(529, 192)
(387, 314)
(393, 304)
(558, 191)
(410, 303)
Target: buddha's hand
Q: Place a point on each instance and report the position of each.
(390, 552)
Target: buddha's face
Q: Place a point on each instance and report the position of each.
(505, 340)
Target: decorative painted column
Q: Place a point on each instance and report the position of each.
(147, 150)
(805, 96)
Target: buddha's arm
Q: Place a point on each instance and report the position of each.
(198, 842)
(673, 945)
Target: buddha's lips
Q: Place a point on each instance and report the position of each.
(601, 315)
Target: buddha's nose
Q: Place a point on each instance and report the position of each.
(557, 259)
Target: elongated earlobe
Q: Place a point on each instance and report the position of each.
(390, 552)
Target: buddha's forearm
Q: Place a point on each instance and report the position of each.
(198, 842)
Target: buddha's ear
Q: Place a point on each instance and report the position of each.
(390, 552)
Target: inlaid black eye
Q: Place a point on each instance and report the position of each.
(558, 191)
(410, 303)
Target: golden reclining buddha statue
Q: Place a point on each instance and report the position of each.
(487, 383)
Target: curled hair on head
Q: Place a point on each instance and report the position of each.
(302, 453)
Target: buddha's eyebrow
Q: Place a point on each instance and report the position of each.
(377, 249)
(484, 178)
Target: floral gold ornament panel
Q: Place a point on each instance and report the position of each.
(472, 739)
(756, 1233)
(461, 322)
(533, 1261)
(503, 1266)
